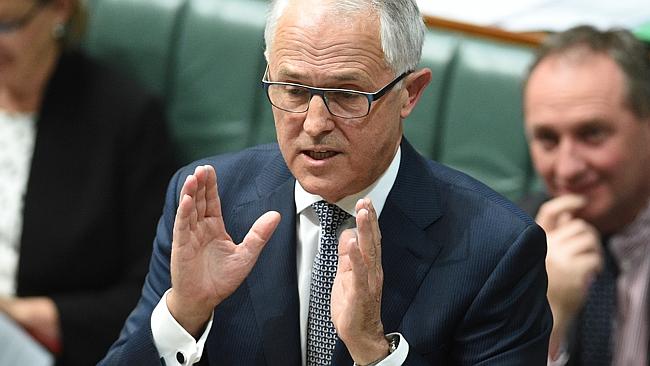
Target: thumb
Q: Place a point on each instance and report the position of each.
(261, 232)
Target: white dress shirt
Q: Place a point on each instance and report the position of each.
(17, 136)
(170, 338)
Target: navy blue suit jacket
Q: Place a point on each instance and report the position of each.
(465, 281)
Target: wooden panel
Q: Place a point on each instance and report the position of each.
(532, 39)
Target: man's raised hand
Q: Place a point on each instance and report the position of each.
(206, 265)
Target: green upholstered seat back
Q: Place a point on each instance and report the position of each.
(216, 76)
(422, 127)
(483, 133)
(136, 36)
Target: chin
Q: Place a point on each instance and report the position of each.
(316, 185)
(596, 214)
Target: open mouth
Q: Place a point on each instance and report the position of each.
(320, 155)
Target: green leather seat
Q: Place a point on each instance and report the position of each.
(136, 37)
(422, 127)
(216, 76)
(483, 133)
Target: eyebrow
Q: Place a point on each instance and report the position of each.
(542, 128)
(286, 73)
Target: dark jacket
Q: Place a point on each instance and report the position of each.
(464, 277)
(96, 187)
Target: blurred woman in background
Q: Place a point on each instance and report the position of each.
(84, 161)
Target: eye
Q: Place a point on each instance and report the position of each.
(345, 95)
(594, 135)
(546, 139)
(295, 91)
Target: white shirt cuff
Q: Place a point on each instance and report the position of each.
(174, 344)
(398, 357)
(561, 359)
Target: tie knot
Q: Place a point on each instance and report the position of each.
(330, 216)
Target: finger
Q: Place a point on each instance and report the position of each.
(344, 264)
(345, 237)
(364, 236)
(189, 189)
(359, 268)
(564, 218)
(365, 233)
(183, 213)
(376, 232)
(189, 186)
(201, 173)
(260, 233)
(182, 224)
(213, 207)
(550, 213)
(588, 266)
(575, 237)
(371, 247)
(595, 264)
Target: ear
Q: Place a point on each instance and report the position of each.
(415, 83)
(63, 9)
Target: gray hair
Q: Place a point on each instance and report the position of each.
(629, 53)
(401, 28)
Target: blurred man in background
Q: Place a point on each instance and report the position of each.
(587, 113)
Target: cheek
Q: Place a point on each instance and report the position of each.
(9, 49)
(542, 162)
(286, 128)
(610, 163)
(374, 150)
(41, 47)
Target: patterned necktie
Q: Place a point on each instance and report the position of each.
(596, 324)
(321, 335)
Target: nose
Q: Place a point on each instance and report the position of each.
(570, 165)
(318, 119)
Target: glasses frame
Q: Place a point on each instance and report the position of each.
(321, 92)
(16, 24)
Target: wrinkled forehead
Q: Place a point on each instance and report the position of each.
(325, 23)
(319, 38)
(9, 7)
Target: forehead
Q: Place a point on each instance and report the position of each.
(563, 91)
(9, 6)
(311, 37)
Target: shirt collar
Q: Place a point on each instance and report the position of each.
(377, 191)
(630, 245)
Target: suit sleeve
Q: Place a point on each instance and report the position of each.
(135, 345)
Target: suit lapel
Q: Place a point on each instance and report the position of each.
(273, 281)
(407, 254)
(408, 251)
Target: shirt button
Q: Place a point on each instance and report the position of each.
(180, 358)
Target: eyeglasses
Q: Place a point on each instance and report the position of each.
(13, 25)
(342, 103)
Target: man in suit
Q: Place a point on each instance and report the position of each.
(432, 267)
(587, 109)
